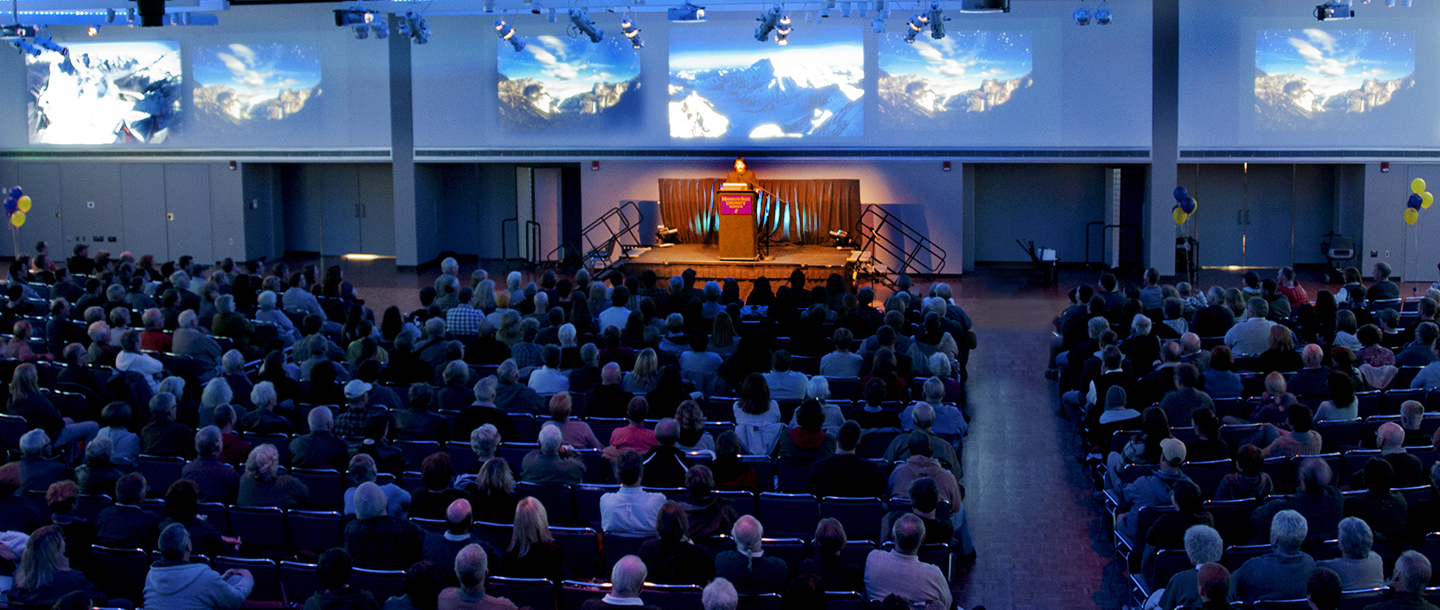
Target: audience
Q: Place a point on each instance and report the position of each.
(747, 567)
(627, 578)
(263, 485)
(471, 568)
(533, 552)
(440, 548)
(900, 571)
(1203, 545)
(175, 583)
(631, 509)
(335, 591)
(671, 558)
(378, 541)
(1282, 573)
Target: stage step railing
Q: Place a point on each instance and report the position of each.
(894, 247)
(603, 242)
(526, 249)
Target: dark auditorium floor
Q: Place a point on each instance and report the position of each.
(1041, 542)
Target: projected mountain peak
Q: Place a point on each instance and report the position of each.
(526, 105)
(762, 101)
(911, 101)
(223, 101)
(1289, 102)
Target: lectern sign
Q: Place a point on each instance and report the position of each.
(736, 203)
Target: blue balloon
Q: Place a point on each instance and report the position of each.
(1188, 204)
(1414, 202)
(16, 193)
(1181, 194)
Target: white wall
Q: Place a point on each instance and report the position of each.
(1411, 250)
(925, 197)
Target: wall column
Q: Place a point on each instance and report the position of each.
(1164, 135)
(402, 149)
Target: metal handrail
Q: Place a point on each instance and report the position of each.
(875, 242)
(602, 235)
(534, 246)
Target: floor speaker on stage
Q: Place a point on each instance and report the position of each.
(737, 224)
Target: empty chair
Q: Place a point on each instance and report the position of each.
(1337, 434)
(415, 452)
(1238, 554)
(559, 500)
(263, 527)
(534, 593)
(587, 502)
(120, 572)
(1208, 474)
(268, 591)
(793, 475)
(873, 444)
(160, 470)
(860, 516)
(619, 545)
(581, 546)
(301, 580)
(315, 531)
(789, 515)
(327, 487)
(384, 584)
(462, 457)
(677, 597)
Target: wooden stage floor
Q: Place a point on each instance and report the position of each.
(818, 262)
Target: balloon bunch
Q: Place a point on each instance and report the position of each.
(16, 205)
(1420, 199)
(1184, 206)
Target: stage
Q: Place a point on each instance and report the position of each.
(818, 262)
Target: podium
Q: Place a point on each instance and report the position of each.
(738, 242)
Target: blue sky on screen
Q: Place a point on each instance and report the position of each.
(731, 47)
(568, 66)
(1332, 61)
(961, 60)
(258, 70)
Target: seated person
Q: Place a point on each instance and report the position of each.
(335, 591)
(1281, 574)
(747, 567)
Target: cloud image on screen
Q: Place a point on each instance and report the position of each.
(563, 83)
(955, 82)
(105, 93)
(238, 84)
(1332, 79)
(724, 83)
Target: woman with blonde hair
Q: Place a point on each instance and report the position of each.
(693, 436)
(44, 574)
(494, 492)
(263, 485)
(723, 339)
(26, 401)
(646, 374)
(532, 552)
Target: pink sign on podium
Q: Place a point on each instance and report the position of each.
(740, 204)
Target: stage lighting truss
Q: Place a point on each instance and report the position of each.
(686, 13)
(412, 24)
(918, 23)
(768, 20)
(504, 30)
(627, 26)
(580, 23)
(32, 40)
(937, 20)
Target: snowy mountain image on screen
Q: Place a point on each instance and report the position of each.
(1335, 80)
(105, 93)
(569, 84)
(238, 83)
(955, 82)
(724, 83)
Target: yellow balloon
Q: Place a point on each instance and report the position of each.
(1196, 206)
(1180, 216)
(23, 203)
(1426, 200)
(18, 219)
(1411, 215)
(1417, 185)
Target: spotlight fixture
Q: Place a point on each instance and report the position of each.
(917, 23)
(633, 33)
(841, 237)
(1102, 14)
(488, 6)
(782, 31)
(354, 16)
(362, 32)
(412, 24)
(768, 20)
(1081, 15)
(26, 47)
(152, 13)
(686, 13)
(667, 235)
(92, 30)
(580, 20)
(550, 14)
(109, 15)
(1334, 10)
(985, 6)
(878, 25)
(50, 45)
(863, 6)
(937, 20)
(507, 33)
(130, 15)
(844, 9)
(381, 29)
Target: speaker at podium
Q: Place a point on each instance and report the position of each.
(736, 203)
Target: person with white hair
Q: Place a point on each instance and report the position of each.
(818, 389)
(627, 579)
(900, 571)
(471, 568)
(512, 284)
(1358, 566)
(319, 448)
(1282, 573)
(130, 359)
(512, 396)
(720, 595)
(176, 583)
(1412, 575)
(949, 422)
(218, 481)
(923, 416)
(483, 412)
(609, 398)
(441, 547)
(190, 341)
(164, 435)
(267, 312)
(263, 419)
(362, 470)
(37, 472)
(217, 392)
(1409, 470)
(230, 323)
(1202, 545)
(552, 463)
(379, 541)
(99, 473)
(747, 567)
(263, 485)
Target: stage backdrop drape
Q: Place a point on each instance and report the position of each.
(797, 211)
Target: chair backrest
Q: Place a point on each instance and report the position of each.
(676, 597)
(301, 580)
(1360, 598)
(587, 502)
(462, 457)
(844, 388)
(89, 506)
(742, 501)
(1168, 562)
(120, 573)
(315, 531)
(383, 584)
(793, 475)
(1336, 434)
(535, 593)
(264, 527)
(1208, 474)
(218, 516)
(1232, 519)
(860, 516)
(497, 534)
(1238, 554)
(415, 452)
(764, 469)
(874, 443)
(514, 453)
(160, 470)
(559, 500)
(581, 546)
(616, 546)
(12, 427)
(1281, 604)
(844, 600)
(788, 515)
(1352, 462)
(327, 487)
(268, 591)
(574, 593)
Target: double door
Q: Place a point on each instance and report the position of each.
(1259, 215)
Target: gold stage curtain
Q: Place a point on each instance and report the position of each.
(797, 211)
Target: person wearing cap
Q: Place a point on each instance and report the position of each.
(1153, 489)
(358, 413)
